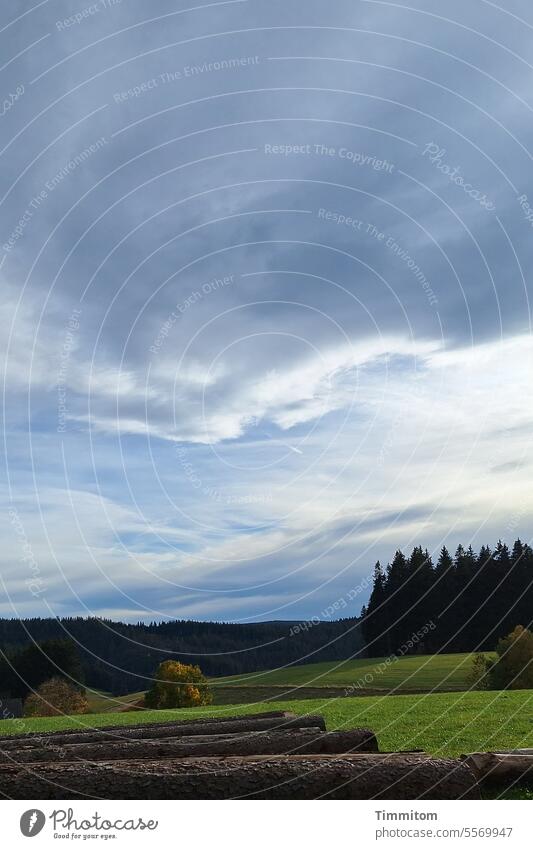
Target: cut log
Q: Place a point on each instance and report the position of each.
(510, 752)
(270, 777)
(309, 740)
(503, 767)
(169, 729)
(86, 727)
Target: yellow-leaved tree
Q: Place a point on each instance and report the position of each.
(178, 685)
(56, 697)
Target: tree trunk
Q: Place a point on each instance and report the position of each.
(312, 741)
(502, 767)
(86, 727)
(296, 777)
(169, 729)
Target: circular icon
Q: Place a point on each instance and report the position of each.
(32, 822)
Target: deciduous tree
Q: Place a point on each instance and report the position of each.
(178, 685)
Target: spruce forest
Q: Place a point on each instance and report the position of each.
(470, 600)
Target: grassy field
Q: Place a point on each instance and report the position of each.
(370, 676)
(441, 723)
(102, 702)
(417, 672)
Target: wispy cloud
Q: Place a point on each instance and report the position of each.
(242, 358)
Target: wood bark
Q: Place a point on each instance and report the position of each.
(502, 767)
(270, 777)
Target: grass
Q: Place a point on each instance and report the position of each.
(421, 673)
(441, 723)
(102, 702)
(416, 672)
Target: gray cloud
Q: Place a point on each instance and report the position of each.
(257, 319)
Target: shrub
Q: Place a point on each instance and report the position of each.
(178, 685)
(513, 667)
(54, 697)
(480, 677)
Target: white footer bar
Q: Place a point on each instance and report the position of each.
(266, 824)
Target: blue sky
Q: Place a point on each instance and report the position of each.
(265, 276)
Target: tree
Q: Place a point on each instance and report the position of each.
(36, 663)
(420, 612)
(178, 685)
(444, 563)
(478, 631)
(513, 667)
(398, 601)
(373, 618)
(522, 573)
(55, 697)
(502, 555)
(479, 676)
(441, 598)
(518, 551)
(464, 604)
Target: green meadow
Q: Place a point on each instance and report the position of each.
(415, 672)
(440, 723)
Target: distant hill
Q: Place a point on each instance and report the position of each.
(121, 658)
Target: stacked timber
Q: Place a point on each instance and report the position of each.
(274, 755)
(298, 741)
(200, 727)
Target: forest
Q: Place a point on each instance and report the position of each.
(121, 658)
(463, 603)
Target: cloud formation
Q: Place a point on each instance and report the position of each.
(265, 312)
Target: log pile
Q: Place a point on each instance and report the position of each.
(200, 727)
(298, 741)
(275, 755)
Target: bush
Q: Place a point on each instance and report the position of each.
(479, 677)
(513, 667)
(54, 697)
(178, 685)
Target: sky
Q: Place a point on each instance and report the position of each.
(265, 272)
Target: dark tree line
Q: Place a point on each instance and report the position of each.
(121, 658)
(471, 600)
(24, 669)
